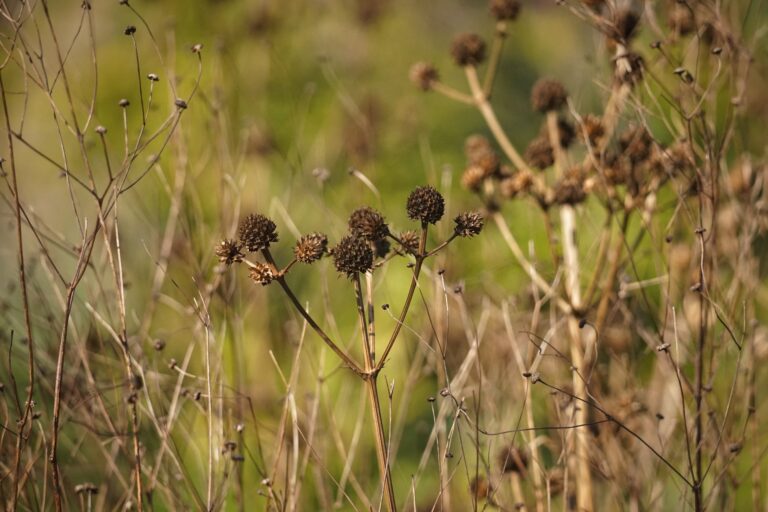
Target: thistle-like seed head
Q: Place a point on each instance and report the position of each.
(423, 75)
(473, 177)
(261, 273)
(513, 460)
(368, 223)
(352, 255)
(505, 9)
(636, 144)
(468, 224)
(548, 95)
(425, 204)
(257, 232)
(228, 252)
(410, 241)
(468, 49)
(311, 247)
(539, 153)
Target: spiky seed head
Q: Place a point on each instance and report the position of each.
(410, 241)
(425, 204)
(569, 191)
(504, 10)
(476, 145)
(368, 223)
(515, 184)
(311, 247)
(548, 94)
(261, 273)
(352, 255)
(539, 153)
(636, 144)
(468, 224)
(513, 460)
(257, 232)
(228, 252)
(488, 161)
(424, 75)
(593, 127)
(468, 49)
(473, 177)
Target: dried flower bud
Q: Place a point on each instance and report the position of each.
(569, 190)
(593, 127)
(261, 273)
(152, 77)
(425, 204)
(257, 232)
(123, 102)
(228, 252)
(513, 460)
(473, 177)
(410, 241)
(311, 247)
(129, 30)
(547, 95)
(630, 69)
(505, 9)
(636, 144)
(423, 75)
(180, 104)
(515, 184)
(539, 153)
(468, 224)
(86, 488)
(352, 255)
(100, 130)
(468, 49)
(488, 161)
(367, 223)
(474, 146)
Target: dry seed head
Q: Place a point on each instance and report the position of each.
(468, 224)
(515, 184)
(488, 161)
(468, 49)
(228, 252)
(505, 9)
(257, 232)
(513, 460)
(423, 75)
(636, 143)
(425, 204)
(547, 95)
(539, 153)
(634, 73)
(410, 241)
(352, 255)
(593, 127)
(368, 223)
(473, 177)
(569, 190)
(476, 145)
(311, 247)
(261, 273)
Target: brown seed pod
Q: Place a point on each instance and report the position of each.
(468, 224)
(505, 10)
(468, 49)
(261, 273)
(516, 184)
(547, 95)
(424, 75)
(539, 153)
(352, 255)
(473, 178)
(368, 223)
(228, 252)
(311, 247)
(425, 204)
(476, 145)
(257, 232)
(410, 241)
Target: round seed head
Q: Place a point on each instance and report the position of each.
(228, 252)
(593, 126)
(476, 145)
(311, 247)
(257, 232)
(473, 177)
(352, 255)
(515, 184)
(368, 223)
(468, 224)
(410, 241)
(539, 153)
(468, 49)
(513, 460)
(548, 95)
(423, 75)
(636, 144)
(425, 204)
(505, 9)
(261, 274)
(569, 191)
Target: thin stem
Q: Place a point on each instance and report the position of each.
(493, 62)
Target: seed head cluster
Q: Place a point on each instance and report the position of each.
(468, 49)
(505, 10)
(425, 204)
(548, 95)
(369, 224)
(261, 273)
(352, 255)
(311, 247)
(468, 224)
(257, 232)
(228, 252)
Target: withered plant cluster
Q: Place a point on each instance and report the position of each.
(597, 347)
